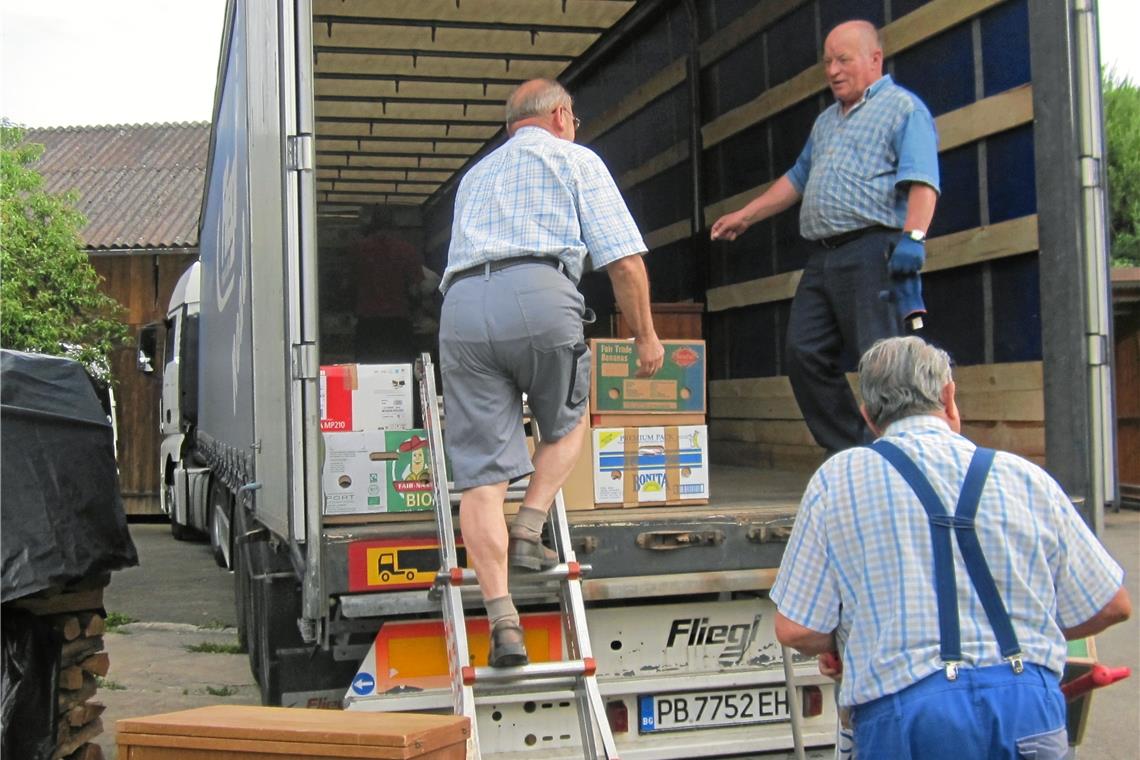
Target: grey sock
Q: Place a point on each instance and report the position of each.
(528, 523)
(501, 608)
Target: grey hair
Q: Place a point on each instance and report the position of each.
(539, 100)
(901, 377)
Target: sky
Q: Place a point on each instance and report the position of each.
(89, 62)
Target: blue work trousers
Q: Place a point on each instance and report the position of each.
(986, 714)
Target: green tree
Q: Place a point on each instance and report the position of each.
(1122, 134)
(50, 301)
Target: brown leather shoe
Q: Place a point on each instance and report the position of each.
(508, 649)
(531, 555)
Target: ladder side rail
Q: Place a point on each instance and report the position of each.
(592, 719)
(454, 620)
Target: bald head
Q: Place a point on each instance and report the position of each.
(535, 98)
(861, 34)
(852, 60)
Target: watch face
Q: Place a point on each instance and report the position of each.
(916, 235)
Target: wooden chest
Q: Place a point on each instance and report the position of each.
(244, 732)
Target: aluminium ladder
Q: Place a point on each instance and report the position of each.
(577, 674)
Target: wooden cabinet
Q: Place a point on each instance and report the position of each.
(245, 732)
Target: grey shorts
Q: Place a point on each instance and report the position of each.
(517, 330)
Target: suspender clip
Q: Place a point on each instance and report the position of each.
(1016, 663)
(951, 671)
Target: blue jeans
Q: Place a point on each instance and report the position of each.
(986, 714)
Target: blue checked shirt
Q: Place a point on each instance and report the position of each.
(852, 173)
(539, 195)
(859, 559)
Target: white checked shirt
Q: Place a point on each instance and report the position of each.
(539, 195)
(860, 559)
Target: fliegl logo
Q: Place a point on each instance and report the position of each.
(697, 632)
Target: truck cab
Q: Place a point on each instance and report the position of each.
(182, 478)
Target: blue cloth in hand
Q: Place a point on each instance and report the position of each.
(908, 256)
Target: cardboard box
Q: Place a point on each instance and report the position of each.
(678, 388)
(644, 420)
(376, 471)
(651, 465)
(366, 397)
(247, 732)
(578, 490)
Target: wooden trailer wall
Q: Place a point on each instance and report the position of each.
(760, 88)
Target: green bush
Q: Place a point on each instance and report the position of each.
(1122, 135)
(49, 292)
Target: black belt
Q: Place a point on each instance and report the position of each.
(843, 238)
(495, 266)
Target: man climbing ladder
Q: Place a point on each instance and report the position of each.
(576, 674)
(526, 217)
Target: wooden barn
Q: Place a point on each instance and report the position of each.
(140, 187)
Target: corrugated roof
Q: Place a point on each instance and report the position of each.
(140, 186)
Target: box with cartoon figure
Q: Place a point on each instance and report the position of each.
(637, 466)
(410, 472)
(377, 471)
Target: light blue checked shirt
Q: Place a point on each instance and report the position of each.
(852, 173)
(539, 195)
(859, 559)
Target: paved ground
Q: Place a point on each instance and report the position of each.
(182, 599)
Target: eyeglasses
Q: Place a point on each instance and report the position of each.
(573, 118)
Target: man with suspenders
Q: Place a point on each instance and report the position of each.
(948, 652)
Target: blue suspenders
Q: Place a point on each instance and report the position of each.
(945, 585)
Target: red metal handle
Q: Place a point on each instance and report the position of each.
(1098, 676)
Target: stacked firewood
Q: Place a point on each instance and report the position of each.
(78, 621)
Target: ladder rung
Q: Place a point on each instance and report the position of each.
(460, 576)
(535, 672)
(515, 491)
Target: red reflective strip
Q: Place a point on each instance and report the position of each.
(456, 576)
(573, 571)
(467, 674)
(590, 666)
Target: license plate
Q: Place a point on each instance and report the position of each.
(710, 709)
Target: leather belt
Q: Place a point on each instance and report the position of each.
(495, 266)
(843, 238)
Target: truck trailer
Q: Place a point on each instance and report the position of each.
(328, 112)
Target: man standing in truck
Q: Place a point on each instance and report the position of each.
(947, 654)
(868, 178)
(526, 217)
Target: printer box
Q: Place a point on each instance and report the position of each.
(366, 397)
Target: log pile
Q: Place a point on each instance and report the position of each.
(78, 620)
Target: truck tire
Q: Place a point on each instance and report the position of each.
(221, 511)
(179, 531)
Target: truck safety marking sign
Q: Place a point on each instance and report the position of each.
(395, 564)
(413, 654)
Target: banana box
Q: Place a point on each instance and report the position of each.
(642, 466)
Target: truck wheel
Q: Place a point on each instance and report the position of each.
(179, 531)
(384, 576)
(221, 511)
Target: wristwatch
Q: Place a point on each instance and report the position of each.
(916, 235)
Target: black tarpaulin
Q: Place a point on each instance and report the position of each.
(61, 513)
